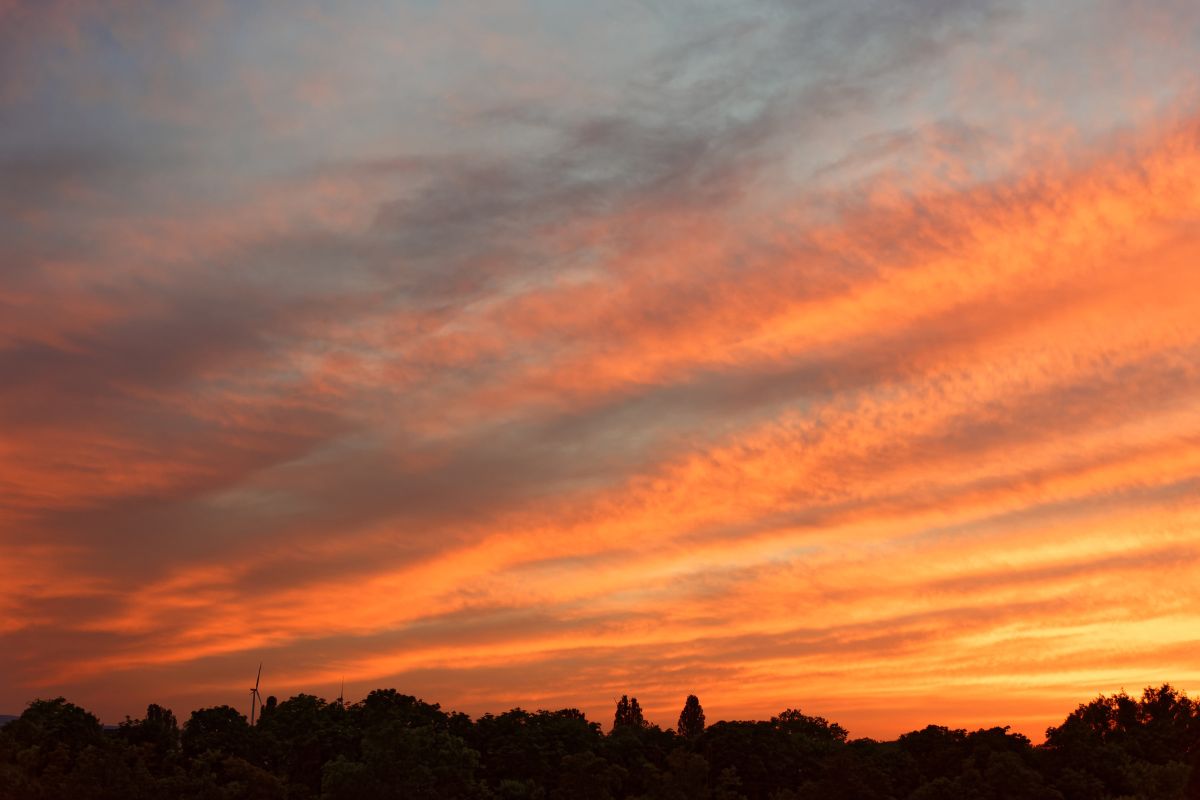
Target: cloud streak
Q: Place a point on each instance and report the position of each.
(841, 357)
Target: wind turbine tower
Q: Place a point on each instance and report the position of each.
(255, 697)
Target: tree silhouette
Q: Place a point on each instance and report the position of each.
(392, 745)
(691, 719)
(56, 724)
(159, 731)
(305, 732)
(635, 714)
(629, 714)
(268, 707)
(221, 729)
(620, 719)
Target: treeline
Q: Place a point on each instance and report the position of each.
(392, 745)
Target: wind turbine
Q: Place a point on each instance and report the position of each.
(342, 694)
(254, 695)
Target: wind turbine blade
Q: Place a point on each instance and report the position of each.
(259, 678)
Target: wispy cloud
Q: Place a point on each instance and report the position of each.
(840, 356)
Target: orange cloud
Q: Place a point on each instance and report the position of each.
(918, 442)
(970, 470)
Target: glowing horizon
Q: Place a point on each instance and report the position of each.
(843, 358)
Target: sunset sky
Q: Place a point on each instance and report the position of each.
(841, 356)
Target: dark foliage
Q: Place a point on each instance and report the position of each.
(629, 714)
(691, 719)
(392, 745)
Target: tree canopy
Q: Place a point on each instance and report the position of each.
(393, 745)
(691, 719)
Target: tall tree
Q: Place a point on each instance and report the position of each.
(629, 714)
(691, 719)
(621, 718)
(635, 714)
